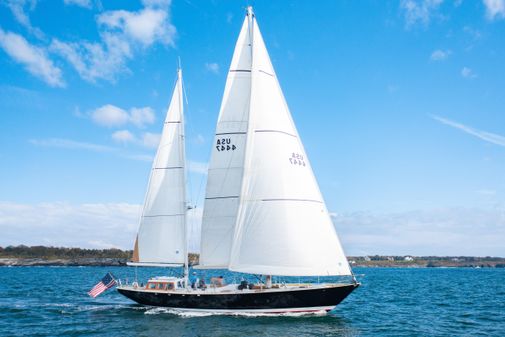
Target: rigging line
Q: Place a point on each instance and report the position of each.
(188, 118)
(192, 223)
(189, 115)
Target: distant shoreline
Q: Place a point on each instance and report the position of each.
(85, 262)
(24, 256)
(115, 262)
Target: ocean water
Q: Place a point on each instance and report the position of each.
(52, 301)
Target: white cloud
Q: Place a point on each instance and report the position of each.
(151, 140)
(419, 11)
(148, 139)
(94, 61)
(486, 192)
(33, 58)
(163, 4)
(494, 9)
(80, 3)
(486, 136)
(123, 137)
(17, 8)
(64, 224)
(212, 67)
(70, 144)
(122, 33)
(200, 139)
(440, 55)
(473, 33)
(194, 221)
(140, 157)
(112, 116)
(198, 167)
(229, 17)
(468, 73)
(451, 231)
(145, 26)
(95, 225)
(77, 145)
(445, 231)
(141, 116)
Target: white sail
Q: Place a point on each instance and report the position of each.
(161, 239)
(227, 160)
(283, 226)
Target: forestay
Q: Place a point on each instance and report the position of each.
(161, 239)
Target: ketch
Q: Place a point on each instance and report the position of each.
(263, 211)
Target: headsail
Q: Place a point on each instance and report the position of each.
(161, 239)
(281, 225)
(227, 160)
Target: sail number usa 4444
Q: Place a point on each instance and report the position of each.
(224, 144)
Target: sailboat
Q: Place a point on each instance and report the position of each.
(263, 211)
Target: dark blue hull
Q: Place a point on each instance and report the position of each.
(300, 299)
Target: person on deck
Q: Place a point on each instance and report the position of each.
(194, 281)
(201, 284)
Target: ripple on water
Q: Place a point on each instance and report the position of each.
(399, 302)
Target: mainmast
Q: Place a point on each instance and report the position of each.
(183, 154)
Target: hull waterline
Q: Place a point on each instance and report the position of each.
(265, 301)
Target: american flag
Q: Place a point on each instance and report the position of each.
(107, 282)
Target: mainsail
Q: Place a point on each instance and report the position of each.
(161, 238)
(264, 213)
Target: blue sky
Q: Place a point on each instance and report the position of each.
(400, 105)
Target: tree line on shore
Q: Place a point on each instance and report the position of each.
(65, 253)
(43, 252)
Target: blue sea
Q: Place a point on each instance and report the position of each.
(52, 301)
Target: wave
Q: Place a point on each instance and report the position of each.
(191, 314)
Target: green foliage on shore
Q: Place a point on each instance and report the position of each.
(52, 253)
(427, 261)
(63, 253)
(55, 253)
